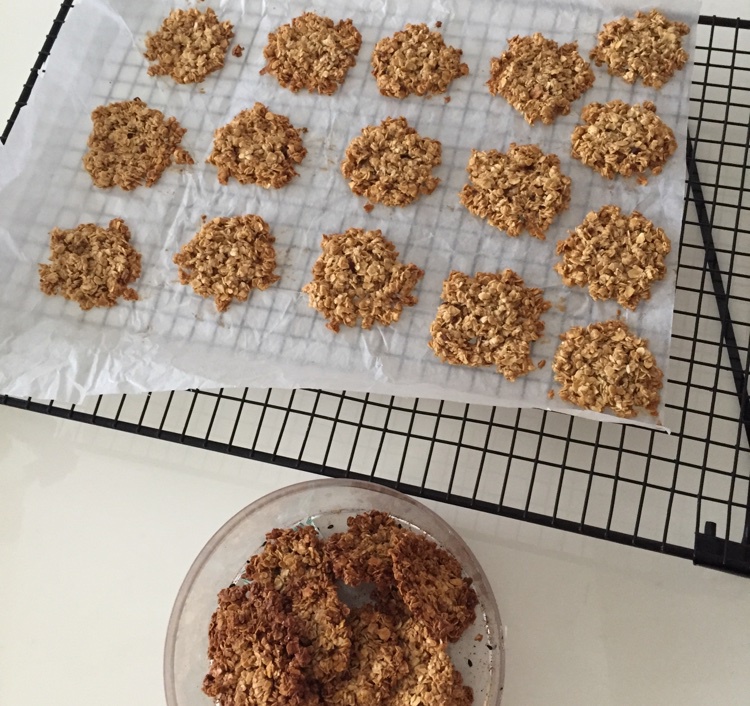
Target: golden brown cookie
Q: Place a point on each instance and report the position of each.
(617, 255)
(539, 77)
(607, 365)
(362, 554)
(648, 47)
(90, 265)
(522, 189)
(312, 52)
(257, 147)
(619, 138)
(255, 651)
(415, 61)
(228, 258)
(377, 663)
(391, 163)
(189, 45)
(359, 278)
(430, 582)
(294, 563)
(132, 144)
(488, 319)
(432, 679)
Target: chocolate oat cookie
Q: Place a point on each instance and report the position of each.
(431, 585)
(432, 679)
(189, 45)
(488, 319)
(522, 189)
(132, 144)
(312, 53)
(362, 554)
(415, 61)
(619, 138)
(378, 661)
(228, 258)
(294, 563)
(255, 651)
(257, 147)
(391, 163)
(606, 365)
(648, 47)
(359, 278)
(539, 77)
(616, 255)
(90, 265)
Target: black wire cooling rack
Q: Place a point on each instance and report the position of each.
(685, 494)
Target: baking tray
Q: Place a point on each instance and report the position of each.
(686, 494)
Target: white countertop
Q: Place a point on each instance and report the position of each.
(98, 528)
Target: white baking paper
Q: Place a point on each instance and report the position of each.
(173, 339)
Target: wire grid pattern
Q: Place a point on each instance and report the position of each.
(617, 482)
(276, 330)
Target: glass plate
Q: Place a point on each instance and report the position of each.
(479, 654)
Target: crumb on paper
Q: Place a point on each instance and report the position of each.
(539, 77)
(257, 147)
(228, 258)
(488, 319)
(358, 278)
(238, 50)
(542, 363)
(478, 637)
(617, 255)
(415, 61)
(189, 45)
(648, 46)
(131, 144)
(312, 53)
(91, 266)
(522, 189)
(391, 163)
(550, 394)
(606, 365)
(369, 207)
(619, 138)
(447, 99)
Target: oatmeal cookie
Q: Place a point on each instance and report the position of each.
(228, 258)
(648, 47)
(257, 147)
(607, 365)
(430, 582)
(617, 255)
(132, 144)
(294, 563)
(362, 554)
(521, 189)
(377, 663)
(415, 61)
(619, 138)
(312, 53)
(539, 77)
(488, 319)
(90, 265)
(255, 650)
(432, 678)
(189, 45)
(359, 276)
(391, 163)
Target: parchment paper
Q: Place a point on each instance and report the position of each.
(173, 339)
